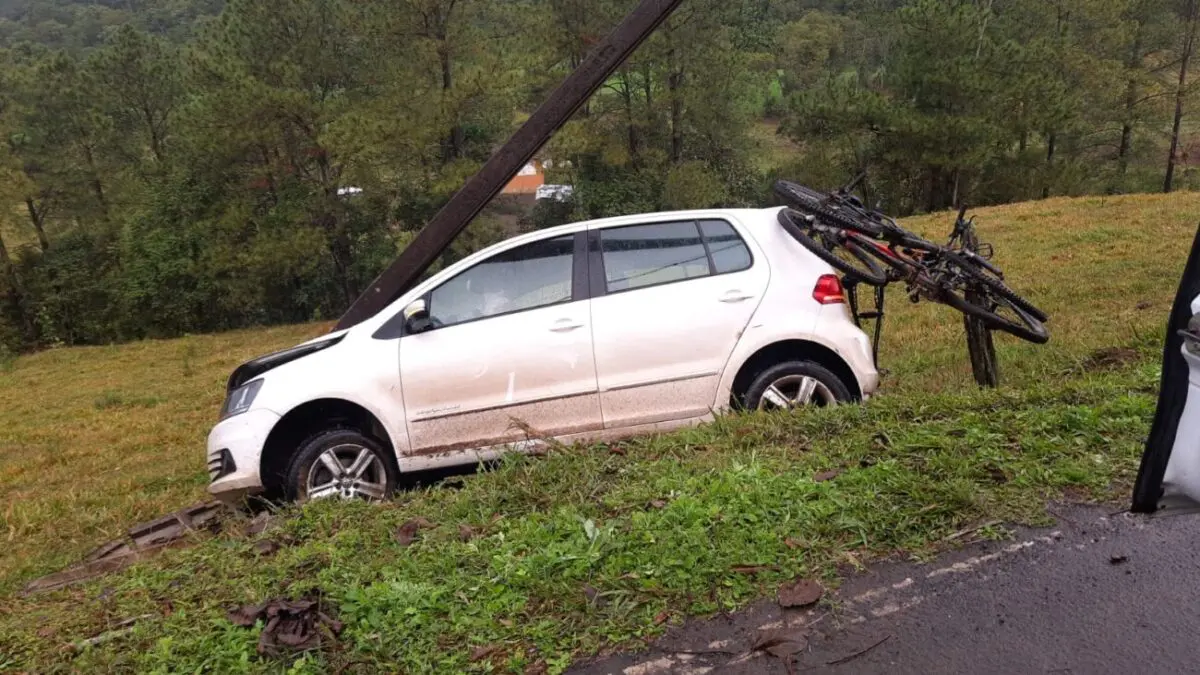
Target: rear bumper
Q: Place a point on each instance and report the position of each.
(242, 437)
(852, 344)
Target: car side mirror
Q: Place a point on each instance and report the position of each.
(416, 318)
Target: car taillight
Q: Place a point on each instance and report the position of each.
(829, 290)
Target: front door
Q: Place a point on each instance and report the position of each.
(1170, 474)
(670, 301)
(509, 356)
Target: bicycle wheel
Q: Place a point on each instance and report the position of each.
(998, 312)
(824, 206)
(982, 349)
(832, 246)
(998, 287)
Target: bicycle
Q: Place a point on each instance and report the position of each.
(841, 230)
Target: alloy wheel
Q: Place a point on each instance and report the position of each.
(796, 391)
(347, 471)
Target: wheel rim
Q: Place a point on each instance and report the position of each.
(348, 471)
(796, 391)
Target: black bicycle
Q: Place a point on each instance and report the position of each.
(855, 239)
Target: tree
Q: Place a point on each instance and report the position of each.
(1190, 15)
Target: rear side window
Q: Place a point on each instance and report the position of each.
(729, 252)
(648, 255)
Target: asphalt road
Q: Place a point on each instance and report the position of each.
(1096, 594)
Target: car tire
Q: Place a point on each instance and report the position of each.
(782, 386)
(367, 470)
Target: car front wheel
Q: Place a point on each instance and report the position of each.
(341, 464)
(796, 384)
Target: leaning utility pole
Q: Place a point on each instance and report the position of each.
(504, 164)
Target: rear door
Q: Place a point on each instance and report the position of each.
(1169, 478)
(670, 300)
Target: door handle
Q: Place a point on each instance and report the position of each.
(735, 296)
(565, 326)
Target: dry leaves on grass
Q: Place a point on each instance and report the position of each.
(407, 533)
(827, 475)
(295, 625)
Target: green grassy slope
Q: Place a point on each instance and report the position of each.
(93, 440)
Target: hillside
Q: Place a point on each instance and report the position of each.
(94, 439)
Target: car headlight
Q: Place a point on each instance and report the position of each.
(240, 399)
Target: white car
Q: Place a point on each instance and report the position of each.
(588, 331)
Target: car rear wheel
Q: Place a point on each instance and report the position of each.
(341, 464)
(796, 384)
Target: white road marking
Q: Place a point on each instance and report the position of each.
(650, 667)
(971, 563)
(662, 666)
(892, 607)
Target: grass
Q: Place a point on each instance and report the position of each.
(585, 548)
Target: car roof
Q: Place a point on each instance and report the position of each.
(745, 216)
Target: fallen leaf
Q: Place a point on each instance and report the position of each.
(661, 618)
(293, 624)
(407, 533)
(827, 475)
(792, 543)
(537, 668)
(1145, 304)
(800, 593)
(481, 653)
(658, 504)
(265, 547)
(507, 623)
(616, 450)
(46, 632)
(246, 615)
(467, 533)
(782, 642)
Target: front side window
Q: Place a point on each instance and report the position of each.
(648, 255)
(527, 277)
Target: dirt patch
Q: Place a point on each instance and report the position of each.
(1110, 358)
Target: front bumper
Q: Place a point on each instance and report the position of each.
(235, 449)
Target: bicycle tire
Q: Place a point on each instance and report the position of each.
(996, 285)
(1029, 328)
(872, 275)
(817, 203)
(982, 350)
